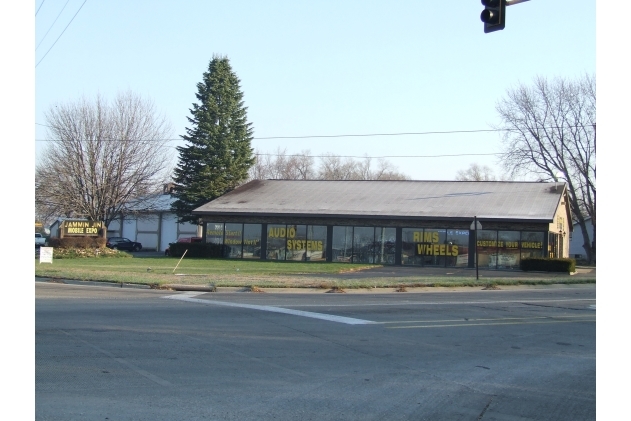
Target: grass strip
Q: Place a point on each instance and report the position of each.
(160, 271)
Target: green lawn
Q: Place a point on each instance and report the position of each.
(161, 271)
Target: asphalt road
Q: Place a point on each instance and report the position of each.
(108, 353)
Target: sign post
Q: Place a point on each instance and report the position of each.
(475, 226)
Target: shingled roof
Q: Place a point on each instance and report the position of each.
(437, 200)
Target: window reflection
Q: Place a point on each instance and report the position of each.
(487, 249)
(363, 239)
(458, 240)
(531, 244)
(316, 242)
(508, 249)
(234, 240)
(385, 243)
(296, 242)
(276, 241)
(214, 233)
(252, 241)
(342, 244)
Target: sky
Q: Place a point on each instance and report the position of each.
(324, 68)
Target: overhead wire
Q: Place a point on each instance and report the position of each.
(338, 135)
(51, 26)
(62, 32)
(40, 6)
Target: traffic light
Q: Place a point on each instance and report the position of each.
(493, 15)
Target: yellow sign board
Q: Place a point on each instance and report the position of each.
(81, 228)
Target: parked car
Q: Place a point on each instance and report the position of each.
(122, 243)
(40, 240)
(183, 240)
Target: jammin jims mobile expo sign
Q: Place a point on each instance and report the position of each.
(81, 228)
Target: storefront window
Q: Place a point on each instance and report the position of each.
(428, 247)
(214, 233)
(252, 241)
(234, 241)
(411, 237)
(458, 251)
(316, 242)
(385, 242)
(508, 249)
(433, 247)
(276, 241)
(296, 242)
(487, 249)
(342, 244)
(531, 244)
(363, 239)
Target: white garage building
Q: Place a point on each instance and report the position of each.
(148, 221)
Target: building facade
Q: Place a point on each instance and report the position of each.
(417, 223)
(151, 222)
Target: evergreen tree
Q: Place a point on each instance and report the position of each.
(218, 154)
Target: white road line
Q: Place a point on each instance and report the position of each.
(329, 317)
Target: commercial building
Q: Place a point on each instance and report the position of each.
(420, 223)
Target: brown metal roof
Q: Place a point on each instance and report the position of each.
(532, 201)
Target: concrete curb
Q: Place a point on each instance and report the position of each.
(200, 288)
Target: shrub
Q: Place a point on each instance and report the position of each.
(77, 242)
(547, 265)
(75, 253)
(80, 247)
(197, 250)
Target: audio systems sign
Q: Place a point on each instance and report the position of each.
(81, 228)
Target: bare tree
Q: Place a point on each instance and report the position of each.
(102, 156)
(551, 133)
(333, 167)
(476, 172)
(281, 166)
(302, 166)
(383, 171)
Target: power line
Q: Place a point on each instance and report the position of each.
(324, 136)
(385, 156)
(40, 6)
(53, 24)
(62, 32)
(382, 134)
(343, 135)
